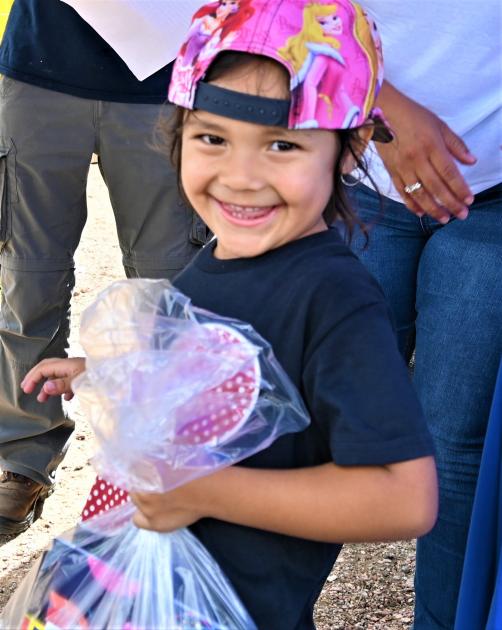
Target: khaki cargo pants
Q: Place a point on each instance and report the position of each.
(46, 142)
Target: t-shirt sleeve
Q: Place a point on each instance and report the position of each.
(359, 392)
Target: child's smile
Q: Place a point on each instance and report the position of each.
(257, 187)
(247, 215)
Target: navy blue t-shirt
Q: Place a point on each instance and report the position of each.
(46, 43)
(329, 327)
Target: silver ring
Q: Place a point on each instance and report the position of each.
(413, 188)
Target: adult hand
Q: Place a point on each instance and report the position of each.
(58, 374)
(424, 151)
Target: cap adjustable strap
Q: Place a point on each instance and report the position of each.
(246, 107)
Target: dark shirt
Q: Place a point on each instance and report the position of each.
(330, 329)
(46, 43)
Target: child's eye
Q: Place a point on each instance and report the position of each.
(283, 145)
(209, 138)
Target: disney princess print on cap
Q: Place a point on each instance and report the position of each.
(331, 50)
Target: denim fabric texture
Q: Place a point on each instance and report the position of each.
(444, 284)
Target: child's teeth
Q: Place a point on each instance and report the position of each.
(242, 211)
(247, 209)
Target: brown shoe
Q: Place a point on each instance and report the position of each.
(21, 502)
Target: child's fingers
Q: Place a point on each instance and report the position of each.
(52, 369)
(54, 387)
(48, 368)
(57, 386)
(42, 396)
(140, 520)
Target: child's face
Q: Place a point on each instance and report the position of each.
(256, 187)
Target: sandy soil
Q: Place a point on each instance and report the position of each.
(371, 586)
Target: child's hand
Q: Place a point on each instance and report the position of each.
(58, 374)
(174, 509)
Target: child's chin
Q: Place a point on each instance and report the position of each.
(245, 248)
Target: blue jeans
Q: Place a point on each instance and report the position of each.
(444, 284)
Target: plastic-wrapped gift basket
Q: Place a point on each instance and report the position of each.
(173, 393)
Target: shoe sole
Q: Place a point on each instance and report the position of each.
(8, 527)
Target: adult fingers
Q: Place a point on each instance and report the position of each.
(403, 167)
(451, 178)
(429, 158)
(456, 146)
(407, 199)
(422, 200)
(444, 199)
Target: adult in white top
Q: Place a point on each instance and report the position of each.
(440, 263)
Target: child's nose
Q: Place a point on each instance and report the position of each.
(242, 171)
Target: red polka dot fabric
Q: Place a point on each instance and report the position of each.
(212, 416)
(103, 496)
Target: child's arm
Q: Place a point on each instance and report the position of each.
(57, 373)
(327, 503)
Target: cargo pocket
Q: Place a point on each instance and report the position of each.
(4, 198)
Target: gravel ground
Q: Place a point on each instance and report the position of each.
(371, 586)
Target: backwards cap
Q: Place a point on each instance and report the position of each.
(330, 49)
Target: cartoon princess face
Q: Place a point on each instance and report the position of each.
(331, 24)
(226, 8)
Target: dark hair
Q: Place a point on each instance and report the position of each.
(339, 208)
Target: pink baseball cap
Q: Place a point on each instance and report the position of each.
(331, 51)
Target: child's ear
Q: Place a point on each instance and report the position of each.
(349, 161)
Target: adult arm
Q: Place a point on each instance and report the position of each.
(424, 150)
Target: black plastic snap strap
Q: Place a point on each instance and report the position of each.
(245, 107)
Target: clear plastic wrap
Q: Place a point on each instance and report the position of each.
(108, 574)
(172, 393)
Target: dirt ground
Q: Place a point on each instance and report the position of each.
(371, 586)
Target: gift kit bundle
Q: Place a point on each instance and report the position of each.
(173, 393)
